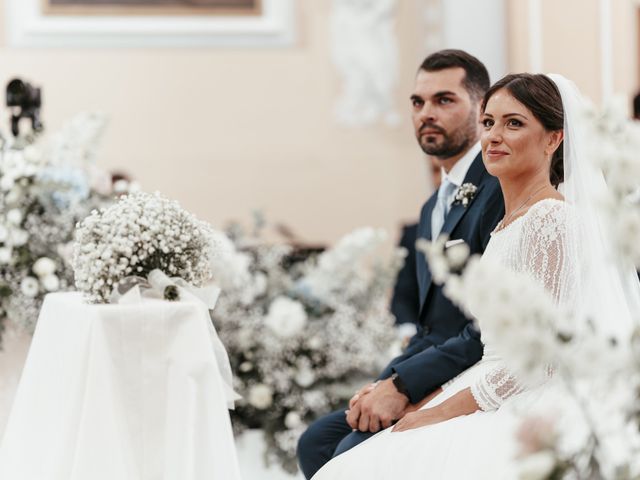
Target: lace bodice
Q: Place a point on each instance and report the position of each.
(533, 243)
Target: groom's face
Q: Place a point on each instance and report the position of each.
(445, 117)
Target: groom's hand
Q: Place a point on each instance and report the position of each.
(378, 408)
(362, 392)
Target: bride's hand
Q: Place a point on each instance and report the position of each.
(461, 403)
(421, 418)
(412, 407)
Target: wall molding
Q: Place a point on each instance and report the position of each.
(28, 26)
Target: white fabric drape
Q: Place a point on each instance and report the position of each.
(120, 392)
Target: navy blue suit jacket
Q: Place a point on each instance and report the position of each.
(405, 301)
(447, 343)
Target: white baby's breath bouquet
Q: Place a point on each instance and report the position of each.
(140, 233)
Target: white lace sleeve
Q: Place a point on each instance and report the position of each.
(541, 252)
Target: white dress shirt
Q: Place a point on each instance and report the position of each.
(459, 171)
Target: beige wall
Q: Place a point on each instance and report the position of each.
(625, 46)
(227, 131)
(571, 42)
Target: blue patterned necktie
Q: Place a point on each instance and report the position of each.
(442, 207)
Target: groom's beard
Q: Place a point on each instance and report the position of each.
(449, 144)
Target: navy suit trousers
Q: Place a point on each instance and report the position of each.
(326, 438)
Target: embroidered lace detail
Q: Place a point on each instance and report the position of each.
(535, 243)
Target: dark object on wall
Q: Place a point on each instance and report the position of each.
(25, 101)
(301, 253)
(161, 7)
(189, 3)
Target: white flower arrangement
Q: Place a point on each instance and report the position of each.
(141, 232)
(43, 194)
(302, 334)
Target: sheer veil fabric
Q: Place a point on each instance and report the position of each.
(608, 292)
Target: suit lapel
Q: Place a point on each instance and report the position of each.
(474, 175)
(456, 213)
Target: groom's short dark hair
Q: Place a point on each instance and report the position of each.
(476, 79)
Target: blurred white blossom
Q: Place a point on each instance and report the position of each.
(537, 466)
(51, 283)
(292, 420)
(231, 267)
(260, 396)
(614, 143)
(14, 216)
(345, 264)
(286, 317)
(5, 255)
(29, 287)
(44, 266)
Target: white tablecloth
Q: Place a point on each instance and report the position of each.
(120, 392)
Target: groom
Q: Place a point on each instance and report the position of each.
(446, 105)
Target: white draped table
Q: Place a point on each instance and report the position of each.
(120, 392)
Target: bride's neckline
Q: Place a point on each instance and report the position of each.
(517, 220)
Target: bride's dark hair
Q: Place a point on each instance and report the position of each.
(541, 96)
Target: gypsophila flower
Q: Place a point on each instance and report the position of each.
(18, 237)
(457, 255)
(536, 433)
(286, 317)
(344, 264)
(292, 420)
(516, 307)
(29, 287)
(35, 227)
(437, 260)
(44, 266)
(614, 142)
(51, 283)
(537, 466)
(5, 255)
(260, 396)
(140, 233)
(14, 216)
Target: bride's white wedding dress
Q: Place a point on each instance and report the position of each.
(483, 444)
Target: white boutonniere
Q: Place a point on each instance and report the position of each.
(465, 194)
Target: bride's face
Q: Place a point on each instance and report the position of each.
(514, 142)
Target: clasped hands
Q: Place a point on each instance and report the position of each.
(378, 405)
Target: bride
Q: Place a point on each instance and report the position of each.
(467, 431)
